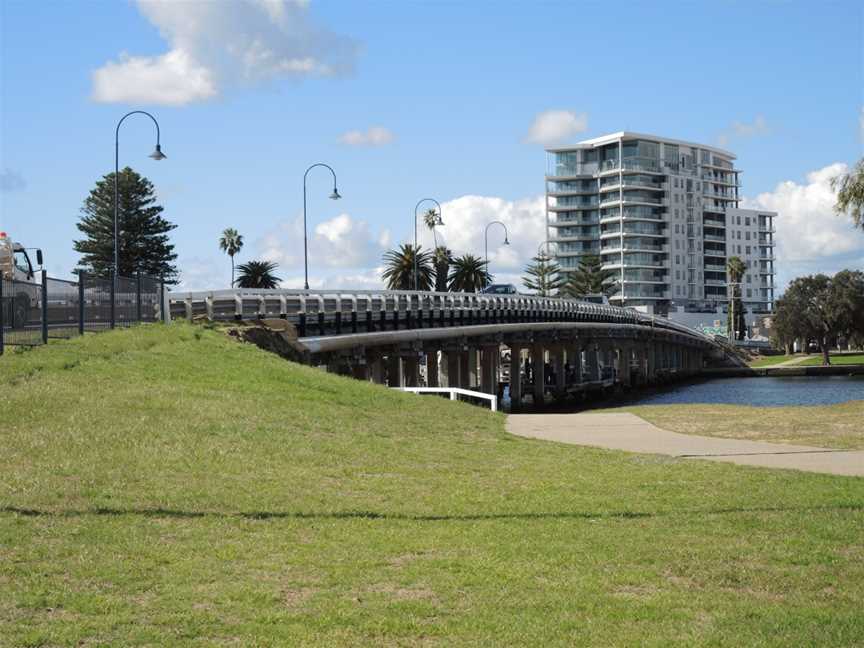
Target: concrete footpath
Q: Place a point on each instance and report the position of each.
(628, 432)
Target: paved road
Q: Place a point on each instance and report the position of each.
(623, 431)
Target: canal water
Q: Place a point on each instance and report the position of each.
(760, 392)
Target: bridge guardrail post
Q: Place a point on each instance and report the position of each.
(44, 307)
(2, 311)
(338, 322)
(354, 321)
(321, 331)
(369, 325)
(82, 277)
(301, 325)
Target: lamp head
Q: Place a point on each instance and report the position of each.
(506, 241)
(335, 195)
(158, 154)
(438, 220)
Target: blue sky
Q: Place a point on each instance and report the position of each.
(252, 93)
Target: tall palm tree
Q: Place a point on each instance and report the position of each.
(735, 270)
(430, 219)
(258, 274)
(399, 268)
(231, 242)
(468, 274)
(441, 261)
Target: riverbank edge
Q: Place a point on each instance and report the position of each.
(775, 372)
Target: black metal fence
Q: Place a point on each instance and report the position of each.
(33, 312)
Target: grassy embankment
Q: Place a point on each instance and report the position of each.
(836, 359)
(770, 361)
(168, 486)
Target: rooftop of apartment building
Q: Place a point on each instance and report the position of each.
(610, 138)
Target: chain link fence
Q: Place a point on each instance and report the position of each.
(31, 313)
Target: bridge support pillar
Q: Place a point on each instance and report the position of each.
(591, 362)
(624, 362)
(410, 371)
(465, 373)
(538, 365)
(574, 358)
(473, 375)
(432, 368)
(376, 369)
(394, 370)
(360, 371)
(489, 357)
(515, 376)
(453, 368)
(558, 368)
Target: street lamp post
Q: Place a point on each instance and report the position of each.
(486, 240)
(157, 154)
(437, 222)
(334, 196)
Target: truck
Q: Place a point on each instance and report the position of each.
(20, 289)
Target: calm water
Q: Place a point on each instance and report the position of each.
(764, 392)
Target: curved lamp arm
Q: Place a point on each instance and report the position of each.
(334, 196)
(440, 222)
(486, 239)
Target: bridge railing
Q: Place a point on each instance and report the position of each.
(335, 312)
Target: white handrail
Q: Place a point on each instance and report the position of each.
(454, 392)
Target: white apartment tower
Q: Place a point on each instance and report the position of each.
(664, 215)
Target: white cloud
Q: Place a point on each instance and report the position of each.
(204, 273)
(172, 79)
(744, 130)
(465, 221)
(810, 237)
(340, 242)
(554, 126)
(11, 180)
(374, 136)
(214, 45)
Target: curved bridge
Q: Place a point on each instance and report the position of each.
(470, 340)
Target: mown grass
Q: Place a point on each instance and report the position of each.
(829, 426)
(168, 486)
(836, 359)
(770, 361)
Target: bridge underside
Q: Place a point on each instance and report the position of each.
(536, 360)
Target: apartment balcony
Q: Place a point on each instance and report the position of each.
(765, 257)
(634, 202)
(635, 295)
(719, 196)
(648, 249)
(714, 267)
(570, 192)
(563, 208)
(714, 253)
(768, 230)
(715, 282)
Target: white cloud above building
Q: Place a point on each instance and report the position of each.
(556, 127)
(213, 46)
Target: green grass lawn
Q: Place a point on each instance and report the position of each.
(770, 361)
(836, 359)
(169, 486)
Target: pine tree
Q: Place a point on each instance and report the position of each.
(590, 279)
(143, 232)
(543, 275)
